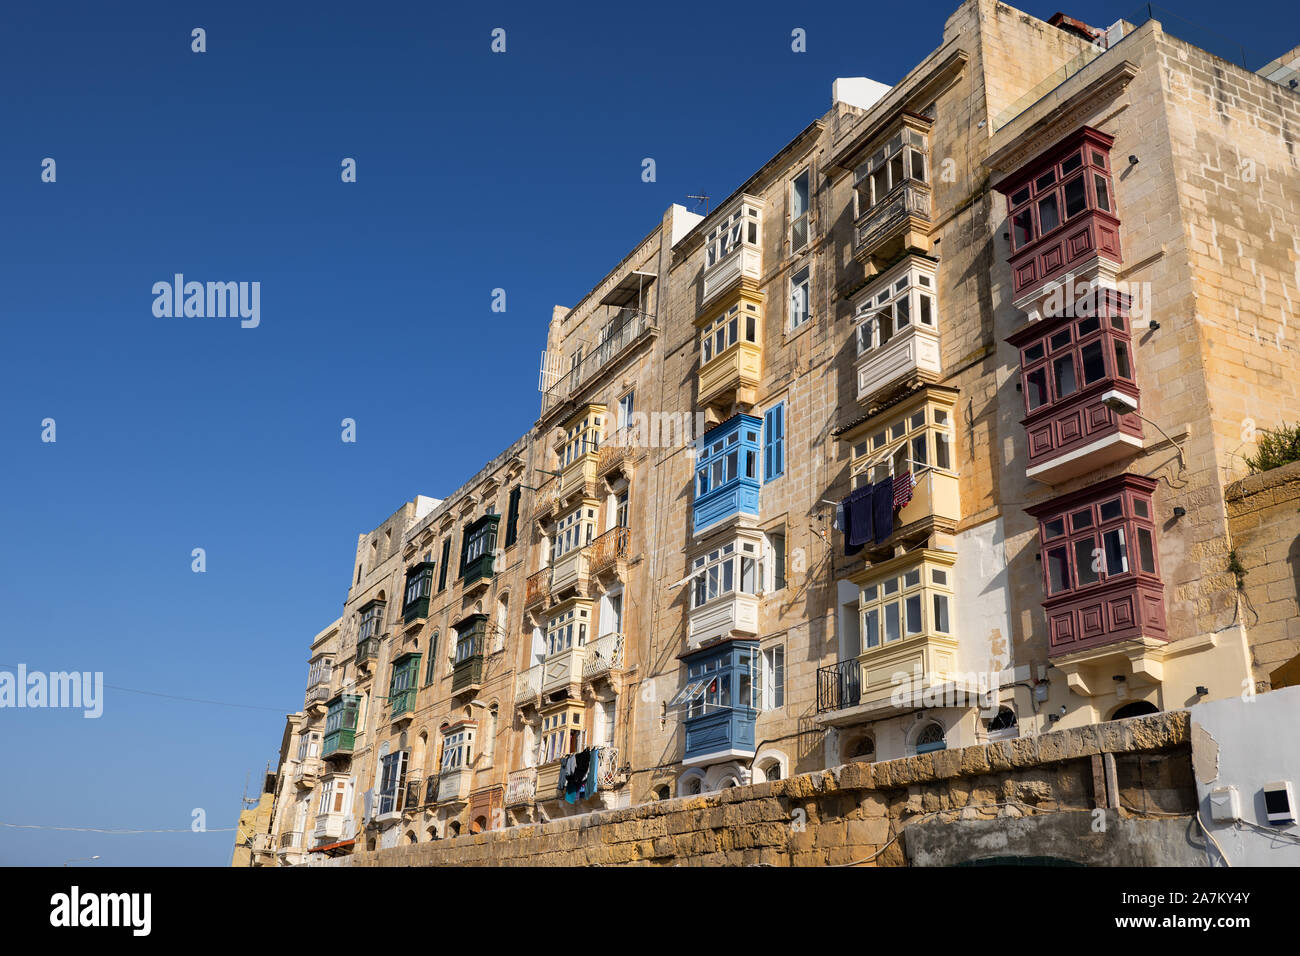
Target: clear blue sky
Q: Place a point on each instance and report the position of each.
(475, 171)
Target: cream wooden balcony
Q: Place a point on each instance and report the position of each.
(911, 355)
(891, 679)
(578, 477)
(934, 496)
(733, 615)
(736, 374)
(454, 784)
(548, 781)
(562, 669)
(570, 572)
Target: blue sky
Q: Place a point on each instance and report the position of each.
(476, 171)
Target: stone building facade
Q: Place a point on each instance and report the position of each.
(917, 441)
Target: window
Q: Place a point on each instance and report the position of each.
(741, 227)
(733, 567)
(626, 408)
(621, 511)
(799, 211)
(901, 159)
(402, 683)
(723, 681)
(776, 558)
(575, 530)
(318, 672)
(800, 301)
(480, 540)
(1057, 195)
(430, 668)
(419, 585)
(392, 782)
(512, 516)
(738, 323)
(562, 734)
(914, 441)
(773, 686)
(1074, 355)
(930, 738)
(446, 559)
(583, 437)
(333, 796)
(1087, 542)
(372, 618)
(469, 638)
(730, 456)
(906, 603)
(900, 301)
(457, 748)
(566, 628)
(774, 443)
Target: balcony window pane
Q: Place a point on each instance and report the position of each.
(942, 454)
(1060, 340)
(896, 169)
(1058, 571)
(864, 337)
(1140, 508)
(927, 313)
(904, 311)
(733, 459)
(918, 452)
(751, 334)
(891, 622)
(728, 577)
(869, 594)
(889, 587)
(1021, 197)
(871, 628)
(1045, 180)
(878, 439)
(1088, 326)
(1054, 528)
(1076, 199)
(1049, 215)
(1033, 353)
(1086, 567)
(1121, 361)
(1081, 519)
(918, 165)
(941, 613)
(1036, 388)
(1094, 363)
(717, 477)
(911, 579)
(1103, 192)
(1071, 164)
(914, 614)
(1116, 551)
(1112, 510)
(1022, 228)
(1146, 552)
(1063, 372)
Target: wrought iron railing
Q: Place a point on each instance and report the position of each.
(611, 547)
(521, 787)
(839, 685)
(637, 325)
(291, 840)
(537, 587)
(607, 768)
(602, 655)
(413, 791)
(528, 683)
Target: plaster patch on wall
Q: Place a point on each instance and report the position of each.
(1205, 755)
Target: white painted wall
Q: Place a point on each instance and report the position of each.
(1247, 744)
(981, 614)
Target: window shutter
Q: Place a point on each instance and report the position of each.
(774, 442)
(512, 517)
(446, 559)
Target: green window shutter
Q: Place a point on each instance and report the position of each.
(512, 517)
(446, 559)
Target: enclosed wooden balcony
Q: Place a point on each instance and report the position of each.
(911, 355)
(571, 572)
(563, 669)
(899, 222)
(885, 680)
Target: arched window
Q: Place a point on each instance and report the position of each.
(432, 832)
(662, 793)
(771, 770)
(863, 749)
(453, 828)
(1002, 724)
(726, 783)
(930, 738)
(1136, 709)
(411, 837)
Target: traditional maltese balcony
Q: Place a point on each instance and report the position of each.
(521, 787)
(718, 704)
(610, 552)
(1080, 391)
(727, 473)
(1063, 222)
(1101, 579)
(537, 588)
(731, 350)
(724, 586)
(577, 450)
(566, 639)
(893, 194)
(897, 332)
(733, 248)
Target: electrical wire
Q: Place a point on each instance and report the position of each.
(117, 830)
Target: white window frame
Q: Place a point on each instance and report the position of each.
(800, 289)
(562, 629)
(720, 574)
(797, 216)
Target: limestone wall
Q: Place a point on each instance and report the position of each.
(857, 813)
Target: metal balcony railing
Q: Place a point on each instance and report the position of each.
(537, 587)
(839, 685)
(607, 550)
(528, 684)
(291, 840)
(607, 768)
(521, 787)
(603, 655)
(637, 325)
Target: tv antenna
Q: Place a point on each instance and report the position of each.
(701, 198)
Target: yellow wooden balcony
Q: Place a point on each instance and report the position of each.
(934, 495)
(736, 374)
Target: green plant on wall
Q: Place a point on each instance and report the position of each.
(1237, 570)
(1275, 447)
